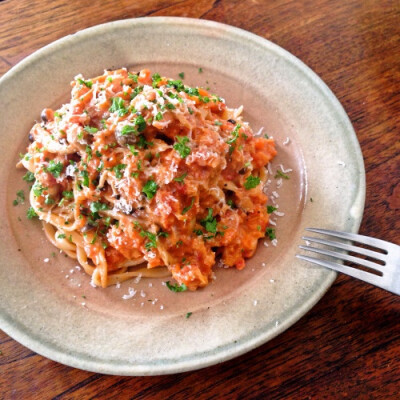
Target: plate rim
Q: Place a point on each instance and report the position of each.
(229, 351)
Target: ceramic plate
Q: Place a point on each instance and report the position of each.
(49, 306)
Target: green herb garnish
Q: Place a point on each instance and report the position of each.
(134, 77)
(38, 189)
(86, 83)
(118, 105)
(150, 189)
(252, 182)
(55, 168)
(152, 239)
(30, 213)
(280, 174)
(132, 149)
(118, 170)
(235, 134)
(270, 232)
(210, 223)
(29, 177)
(176, 288)
(90, 129)
(180, 178)
(186, 209)
(181, 147)
(85, 177)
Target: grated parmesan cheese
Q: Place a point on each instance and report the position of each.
(131, 294)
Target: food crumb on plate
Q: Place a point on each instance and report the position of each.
(132, 293)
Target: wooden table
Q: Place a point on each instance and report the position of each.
(349, 344)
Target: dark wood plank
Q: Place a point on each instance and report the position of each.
(349, 344)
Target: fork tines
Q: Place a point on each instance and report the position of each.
(380, 274)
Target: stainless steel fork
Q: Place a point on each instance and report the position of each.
(385, 274)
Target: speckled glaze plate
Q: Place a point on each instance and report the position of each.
(50, 307)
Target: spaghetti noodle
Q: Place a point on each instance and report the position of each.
(142, 175)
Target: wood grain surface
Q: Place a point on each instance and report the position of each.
(348, 345)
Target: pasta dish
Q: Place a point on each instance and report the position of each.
(141, 175)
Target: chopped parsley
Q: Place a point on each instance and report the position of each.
(90, 129)
(186, 209)
(230, 203)
(159, 116)
(86, 83)
(181, 147)
(142, 143)
(132, 149)
(118, 170)
(200, 70)
(218, 123)
(29, 177)
(271, 209)
(280, 174)
(188, 315)
(134, 77)
(182, 75)
(156, 78)
(30, 213)
(209, 223)
(192, 91)
(61, 236)
(270, 232)
(176, 288)
(55, 168)
(100, 167)
(97, 206)
(136, 91)
(204, 99)
(235, 134)
(88, 151)
(38, 189)
(170, 106)
(49, 200)
(150, 189)
(20, 198)
(252, 182)
(140, 123)
(118, 105)
(85, 177)
(177, 84)
(180, 178)
(152, 239)
(93, 241)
